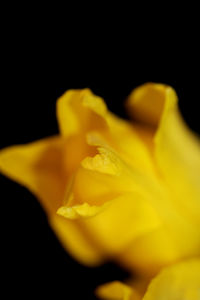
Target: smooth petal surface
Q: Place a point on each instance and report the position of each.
(163, 246)
(39, 167)
(176, 148)
(146, 103)
(79, 111)
(180, 281)
(176, 155)
(77, 241)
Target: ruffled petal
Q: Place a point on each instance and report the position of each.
(80, 112)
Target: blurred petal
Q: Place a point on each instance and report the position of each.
(146, 103)
(176, 150)
(116, 291)
(118, 222)
(161, 247)
(76, 241)
(39, 167)
(180, 281)
(177, 153)
(127, 141)
(104, 191)
(79, 111)
(109, 176)
(125, 189)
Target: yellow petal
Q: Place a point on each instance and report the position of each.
(79, 111)
(152, 251)
(177, 153)
(109, 176)
(180, 281)
(176, 148)
(116, 290)
(104, 191)
(76, 241)
(119, 222)
(39, 167)
(176, 238)
(146, 103)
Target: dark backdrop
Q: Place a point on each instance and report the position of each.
(33, 78)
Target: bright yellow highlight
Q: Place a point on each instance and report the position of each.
(126, 190)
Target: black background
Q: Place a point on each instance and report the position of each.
(34, 75)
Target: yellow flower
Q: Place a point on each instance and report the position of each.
(179, 281)
(125, 190)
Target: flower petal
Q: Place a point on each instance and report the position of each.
(106, 180)
(76, 241)
(180, 281)
(176, 148)
(39, 167)
(177, 153)
(116, 290)
(79, 111)
(135, 214)
(146, 103)
(176, 238)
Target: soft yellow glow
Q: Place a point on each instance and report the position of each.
(126, 190)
